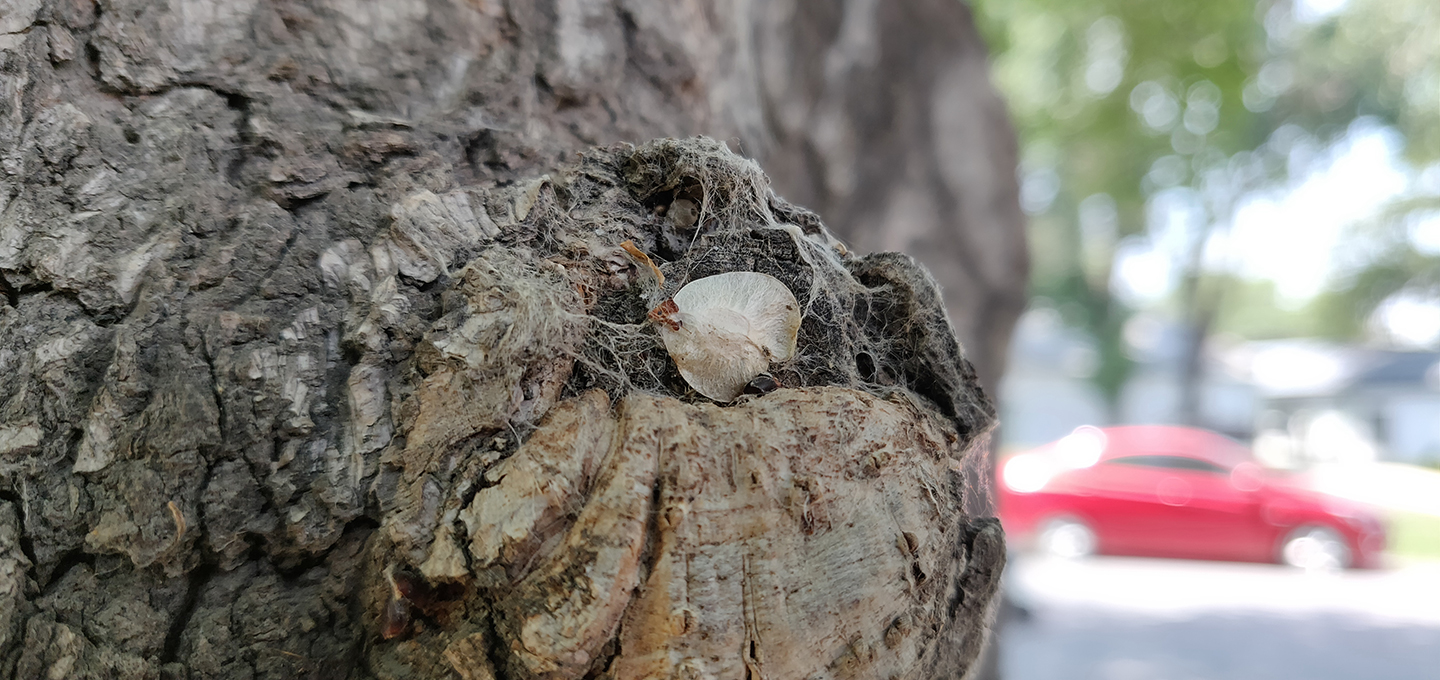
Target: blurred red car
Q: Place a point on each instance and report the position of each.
(1177, 492)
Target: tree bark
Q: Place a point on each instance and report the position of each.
(319, 356)
(882, 119)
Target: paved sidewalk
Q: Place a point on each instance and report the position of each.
(1138, 619)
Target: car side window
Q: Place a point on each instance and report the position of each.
(1170, 463)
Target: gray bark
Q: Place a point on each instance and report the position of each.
(882, 120)
(293, 288)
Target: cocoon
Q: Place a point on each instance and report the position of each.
(724, 330)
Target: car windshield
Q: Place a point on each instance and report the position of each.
(1170, 462)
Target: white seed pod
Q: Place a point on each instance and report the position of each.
(724, 330)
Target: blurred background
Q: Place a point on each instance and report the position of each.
(1234, 224)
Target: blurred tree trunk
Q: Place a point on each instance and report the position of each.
(882, 119)
(287, 285)
(885, 123)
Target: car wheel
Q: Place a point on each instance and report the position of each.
(1066, 538)
(1315, 548)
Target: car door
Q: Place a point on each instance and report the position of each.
(1118, 499)
(1197, 511)
(1219, 520)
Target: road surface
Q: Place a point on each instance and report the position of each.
(1138, 619)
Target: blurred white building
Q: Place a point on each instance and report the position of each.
(1047, 391)
(1331, 402)
(1301, 401)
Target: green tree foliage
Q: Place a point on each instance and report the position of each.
(1116, 100)
(1122, 102)
(1378, 58)
(1375, 58)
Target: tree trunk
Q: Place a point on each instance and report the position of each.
(320, 356)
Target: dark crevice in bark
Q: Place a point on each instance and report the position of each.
(650, 552)
(497, 649)
(12, 296)
(103, 318)
(285, 249)
(424, 286)
(241, 105)
(234, 100)
(468, 488)
(215, 392)
(257, 469)
(27, 545)
(293, 571)
(481, 151)
(92, 53)
(604, 660)
(975, 585)
(294, 205)
(210, 455)
(357, 662)
(34, 289)
(198, 578)
(348, 663)
(543, 91)
(256, 551)
(460, 530)
(68, 561)
(279, 260)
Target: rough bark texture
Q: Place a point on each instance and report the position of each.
(882, 120)
(291, 308)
